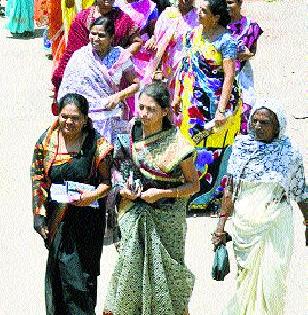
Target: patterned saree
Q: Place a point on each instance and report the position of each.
(150, 277)
(200, 82)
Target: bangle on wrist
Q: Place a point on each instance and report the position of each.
(177, 192)
(220, 234)
(221, 111)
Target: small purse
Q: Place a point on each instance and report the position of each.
(221, 264)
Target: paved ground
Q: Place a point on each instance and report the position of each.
(280, 71)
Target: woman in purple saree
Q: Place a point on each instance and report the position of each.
(96, 71)
(126, 34)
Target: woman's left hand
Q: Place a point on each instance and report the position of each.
(220, 118)
(151, 195)
(113, 101)
(84, 199)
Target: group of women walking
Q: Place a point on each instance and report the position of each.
(149, 99)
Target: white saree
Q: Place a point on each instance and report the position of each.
(263, 240)
(266, 177)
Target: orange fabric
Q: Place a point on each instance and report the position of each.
(58, 49)
(40, 12)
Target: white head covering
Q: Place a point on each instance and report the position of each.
(274, 106)
(275, 162)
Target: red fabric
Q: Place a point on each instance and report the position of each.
(78, 36)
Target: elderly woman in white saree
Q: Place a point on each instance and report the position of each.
(265, 173)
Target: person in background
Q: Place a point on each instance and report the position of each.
(246, 32)
(2, 10)
(126, 34)
(20, 18)
(162, 5)
(154, 177)
(73, 231)
(167, 41)
(266, 173)
(96, 72)
(207, 92)
(145, 14)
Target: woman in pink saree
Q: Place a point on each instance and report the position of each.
(167, 40)
(96, 71)
(145, 14)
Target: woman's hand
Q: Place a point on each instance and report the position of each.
(151, 195)
(150, 44)
(113, 101)
(218, 237)
(245, 55)
(175, 105)
(84, 199)
(220, 118)
(40, 226)
(128, 194)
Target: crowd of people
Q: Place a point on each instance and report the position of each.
(157, 113)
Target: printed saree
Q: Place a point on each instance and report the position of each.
(200, 80)
(169, 32)
(97, 78)
(144, 13)
(78, 36)
(150, 277)
(246, 31)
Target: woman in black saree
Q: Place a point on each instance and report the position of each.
(73, 231)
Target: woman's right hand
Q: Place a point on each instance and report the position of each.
(150, 44)
(218, 237)
(113, 101)
(128, 194)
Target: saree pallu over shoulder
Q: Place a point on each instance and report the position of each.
(158, 155)
(45, 152)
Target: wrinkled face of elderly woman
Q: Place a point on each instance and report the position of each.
(265, 125)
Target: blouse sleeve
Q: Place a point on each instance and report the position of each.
(228, 47)
(40, 185)
(297, 182)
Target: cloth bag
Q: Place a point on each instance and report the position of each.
(221, 264)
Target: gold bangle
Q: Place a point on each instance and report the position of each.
(177, 192)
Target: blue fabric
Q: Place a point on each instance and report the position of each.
(20, 16)
(226, 45)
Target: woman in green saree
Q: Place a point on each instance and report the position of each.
(154, 177)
